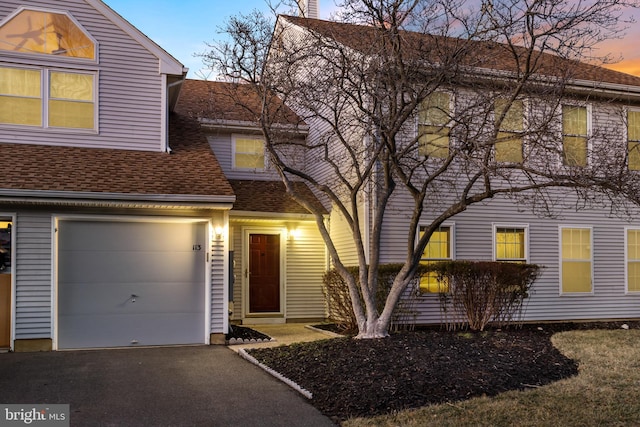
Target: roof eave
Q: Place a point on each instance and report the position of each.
(97, 198)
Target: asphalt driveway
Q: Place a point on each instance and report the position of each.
(173, 386)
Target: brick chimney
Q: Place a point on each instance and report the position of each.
(308, 8)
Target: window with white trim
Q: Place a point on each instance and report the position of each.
(46, 32)
(575, 131)
(510, 243)
(433, 125)
(633, 139)
(47, 98)
(576, 260)
(248, 152)
(439, 248)
(633, 259)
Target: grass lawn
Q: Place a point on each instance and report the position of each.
(606, 392)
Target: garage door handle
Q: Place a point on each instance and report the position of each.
(133, 297)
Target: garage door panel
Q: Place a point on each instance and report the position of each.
(128, 266)
(129, 330)
(102, 264)
(105, 297)
(132, 236)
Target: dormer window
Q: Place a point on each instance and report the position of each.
(50, 33)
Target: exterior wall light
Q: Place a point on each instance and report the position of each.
(292, 233)
(218, 232)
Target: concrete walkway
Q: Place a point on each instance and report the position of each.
(285, 334)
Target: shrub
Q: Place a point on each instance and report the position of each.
(339, 301)
(481, 291)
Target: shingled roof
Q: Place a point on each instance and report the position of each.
(191, 172)
(224, 102)
(271, 196)
(472, 53)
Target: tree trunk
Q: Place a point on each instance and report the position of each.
(373, 328)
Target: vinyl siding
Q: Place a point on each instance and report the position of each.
(128, 79)
(473, 241)
(33, 275)
(219, 280)
(305, 267)
(342, 238)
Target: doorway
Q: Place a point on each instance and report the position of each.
(264, 273)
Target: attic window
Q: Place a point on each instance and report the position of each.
(50, 33)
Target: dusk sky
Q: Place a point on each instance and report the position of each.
(182, 28)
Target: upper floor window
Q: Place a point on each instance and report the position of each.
(248, 152)
(508, 147)
(47, 98)
(439, 248)
(510, 243)
(574, 135)
(633, 139)
(36, 31)
(433, 121)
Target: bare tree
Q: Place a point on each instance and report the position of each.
(429, 107)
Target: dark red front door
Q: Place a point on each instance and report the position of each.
(264, 273)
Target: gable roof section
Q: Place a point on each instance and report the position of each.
(476, 54)
(271, 196)
(167, 63)
(232, 104)
(191, 173)
(220, 103)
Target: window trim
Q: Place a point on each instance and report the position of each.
(45, 96)
(452, 248)
(524, 226)
(72, 59)
(589, 134)
(234, 138)
(560, 259)
(626, 261)
(448, 126)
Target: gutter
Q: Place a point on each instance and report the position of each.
(235, 214)
(76, 197)
(611, 90)
(243, 125)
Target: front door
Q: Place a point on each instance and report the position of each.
(264, 273)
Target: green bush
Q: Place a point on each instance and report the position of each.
(480, 292)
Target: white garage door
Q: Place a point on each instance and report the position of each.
(130, 283)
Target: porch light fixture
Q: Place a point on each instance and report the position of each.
(218, 232)
(292, 233)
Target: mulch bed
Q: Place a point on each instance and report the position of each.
(351, 378)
